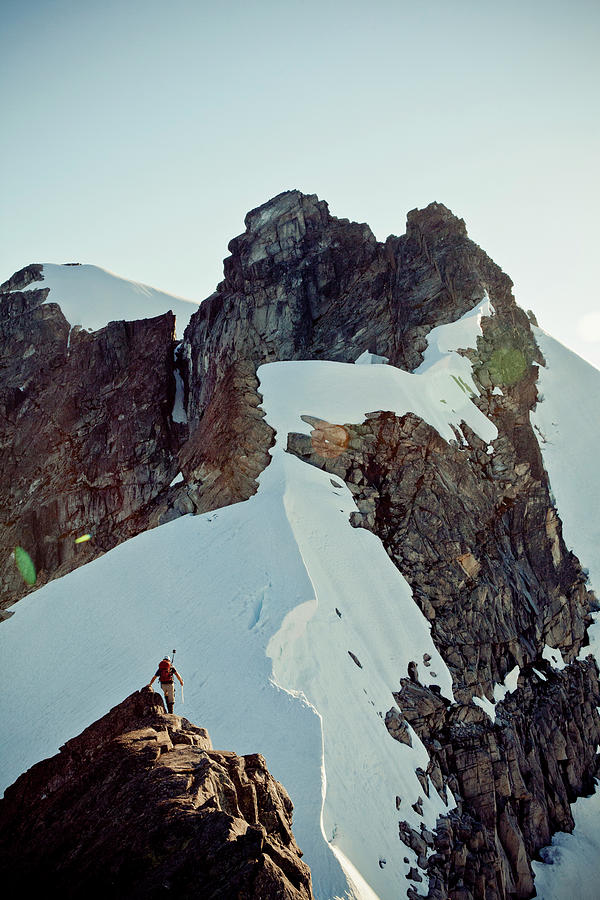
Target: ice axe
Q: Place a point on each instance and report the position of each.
(173, 661)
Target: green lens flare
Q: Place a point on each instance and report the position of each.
(25, 565)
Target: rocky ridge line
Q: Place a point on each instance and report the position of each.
(303, 284)
(476, 535)
(140, 805)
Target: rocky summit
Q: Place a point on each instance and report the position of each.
(471, 524)
(140, 805)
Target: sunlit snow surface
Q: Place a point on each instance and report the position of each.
(92, 297)
(264, 601)
(567, 421)
(443, 340)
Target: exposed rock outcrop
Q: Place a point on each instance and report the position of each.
(474, 532)
(87, 440)
(477, 537)
(480, 543)
(513, 780)
(469, 532)
(140, 805)
(91, 412)
(302, 284)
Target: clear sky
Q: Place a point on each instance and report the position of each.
(137, 134)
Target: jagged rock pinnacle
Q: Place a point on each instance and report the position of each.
(435, 218)
(140, 802)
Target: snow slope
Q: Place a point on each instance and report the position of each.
(92, 297)
(567, 421)
(444, 340)
(265, 601)
(570, 868)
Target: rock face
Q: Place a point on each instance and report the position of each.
(302, 284)
(472, 534)
(140, 805)
(483, 552)
(87, 440)
(475, 533)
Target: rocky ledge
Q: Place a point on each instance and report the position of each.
(140, 805)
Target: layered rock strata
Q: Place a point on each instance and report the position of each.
(478, 538)
(140, 805)
(302, 284)
(481, 545)
(475, 534)
(87, 441)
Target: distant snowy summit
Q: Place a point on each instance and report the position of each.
(91, 297)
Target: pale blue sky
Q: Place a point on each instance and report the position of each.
(136, 135)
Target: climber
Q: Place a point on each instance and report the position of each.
(165, 673)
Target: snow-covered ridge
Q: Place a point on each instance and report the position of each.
(567, 422)
(344, 647)
(462, 334)
(91, 297)
(345, 392)
(292, 629)
(439, 391)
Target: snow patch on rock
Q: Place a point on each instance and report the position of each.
(371, 359)
(91, 297)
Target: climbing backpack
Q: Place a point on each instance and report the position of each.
(165, 672)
